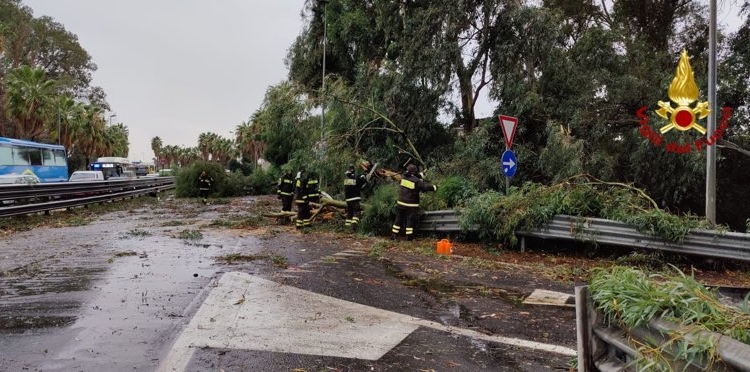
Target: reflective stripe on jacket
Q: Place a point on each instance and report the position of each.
(353, 185)
(410, 188)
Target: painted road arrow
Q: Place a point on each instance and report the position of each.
(246, 312)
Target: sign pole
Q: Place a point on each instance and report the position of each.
(508, 161)
(507, 179)
(711, 150)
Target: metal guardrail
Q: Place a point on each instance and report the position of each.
(66, 195)
(711, 243)
(610, 348)
(445, 221)
(730, 245)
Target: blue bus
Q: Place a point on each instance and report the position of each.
(48, 162)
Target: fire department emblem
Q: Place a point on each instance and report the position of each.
(683, 92)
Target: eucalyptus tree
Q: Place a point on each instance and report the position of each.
(43, 43)
(438, 47)
(284, 126)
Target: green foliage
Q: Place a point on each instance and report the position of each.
(631, 298)
(482, 214)
(186, 181)
(260, 182)
(533, 205)
(379, 217)
(455, 190)
(476, 158)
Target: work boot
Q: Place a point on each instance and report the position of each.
(394, 236)
(410, 238)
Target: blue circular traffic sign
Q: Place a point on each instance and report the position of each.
(509, 163)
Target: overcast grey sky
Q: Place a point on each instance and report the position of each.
(178, 68)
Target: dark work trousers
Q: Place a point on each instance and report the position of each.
(286, 203)
(203, 193)
(353, 212)
(406, 218)
(303, 214)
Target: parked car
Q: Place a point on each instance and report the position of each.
(19, 179)
(86, 176)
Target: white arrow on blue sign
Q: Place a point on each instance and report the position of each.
(509, 163)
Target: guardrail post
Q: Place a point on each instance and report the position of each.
(584, 330)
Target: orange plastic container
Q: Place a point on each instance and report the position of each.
(444, 246)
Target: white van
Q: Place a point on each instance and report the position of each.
(86, 176)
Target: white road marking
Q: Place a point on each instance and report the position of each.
(249, 313)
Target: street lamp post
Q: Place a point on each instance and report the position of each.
(323, 84)
(110, 119)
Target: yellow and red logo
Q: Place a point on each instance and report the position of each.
(683, 92)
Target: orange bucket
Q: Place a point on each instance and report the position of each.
(444, 246)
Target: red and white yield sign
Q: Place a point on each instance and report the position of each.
(509, 124)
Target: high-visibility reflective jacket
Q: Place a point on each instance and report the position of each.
(313, 192)
(410, 188)
(285, 186)
(300, 188)
(204, 182)
(353, 185)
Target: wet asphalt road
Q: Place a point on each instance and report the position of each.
(115, 294)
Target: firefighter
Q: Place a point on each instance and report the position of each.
(204, 186)
(285, 191)
(407, 206)
(300, 198)
(353, 184)
(313, 190)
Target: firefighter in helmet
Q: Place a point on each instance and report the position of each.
(285, 190)
(300, 199)
(353, 185)
(407, 206)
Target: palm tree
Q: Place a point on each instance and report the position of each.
(205, 144)
(247, 140)
(28, 96)
(90, 140)
(156, 146)
(68, 114)
(119, 144)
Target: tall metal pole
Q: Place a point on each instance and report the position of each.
(323, 84)
(711, 150)
(323, 92)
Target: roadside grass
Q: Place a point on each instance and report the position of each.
(173, 223)
(189, 234)
(239, 257)
(280, 262)
(111, 260)
(239, 222)
(231, 258)
(136, 233)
